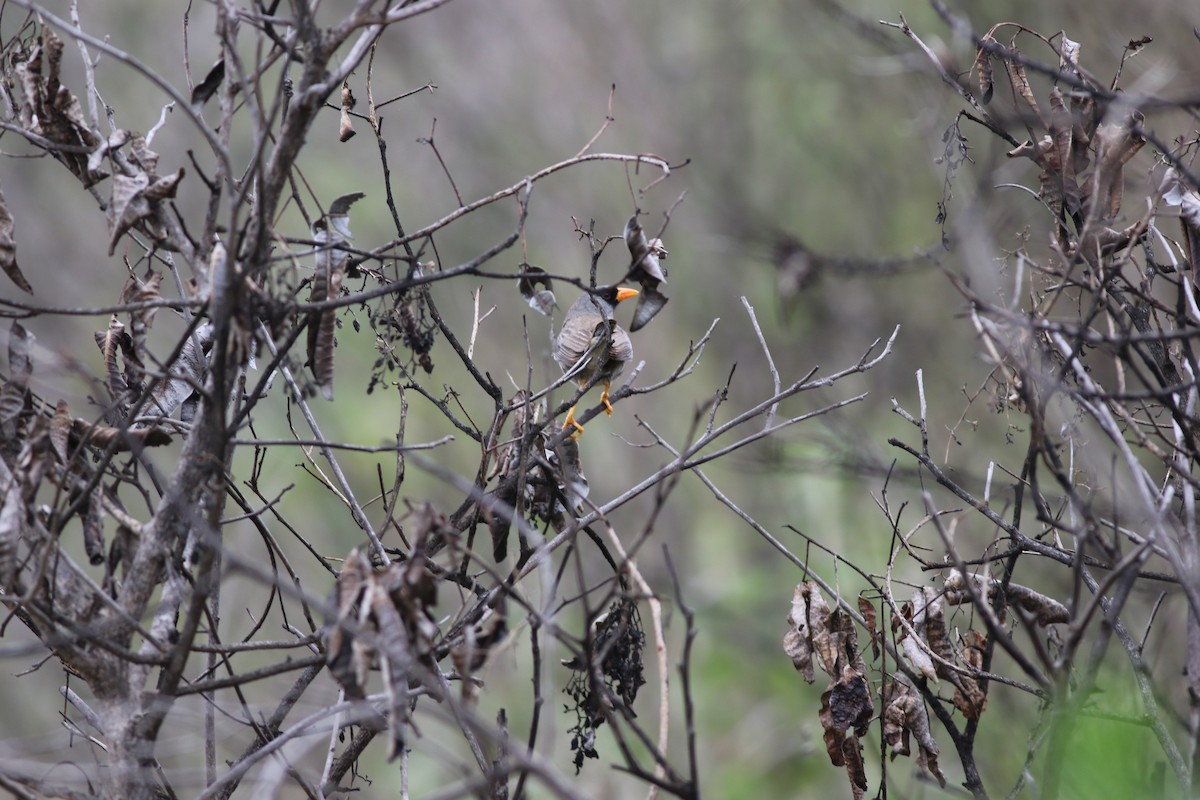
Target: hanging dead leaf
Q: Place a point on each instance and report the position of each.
(905, 716)
(14, 394)
(49, 109)
(208, 87)
(913, 646)
(346, 125)
(540, 300)
(983, 66)
(969, 698)
(130, 203)
(808, 631)
(846, 711)
(120, 440)
(646, 268)
(113, 343)
(348, 666)
(8, 248)
(185, 374)
(60, 431)
(866, 608)
(93, 528)
(322, 341)
(1045, 610)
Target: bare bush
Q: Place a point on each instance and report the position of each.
(1052, 565)
(120, 521)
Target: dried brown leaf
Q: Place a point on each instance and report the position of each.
(185, 376)
(1068, 55)
(867, 609)
(8, 248)
(968, 696)
(93, 528)
(1020, 83)
(12, 524)
(14, 396)
(323, 344)
(113, 343)
(60, 431)
(808, 632)
(49, 109)
(1060, 188)
(396, 661)
(983, 65)
(935, 632)
(208, 87)
(130, 202)
(346, 125)
(540, 300)
(904, 716)
(121, 440)
(846, 711)
(1046, 610)
(1116, 144)
(646, 268)
(347, 664)
(20, 362)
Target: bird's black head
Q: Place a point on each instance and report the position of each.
(615, 294)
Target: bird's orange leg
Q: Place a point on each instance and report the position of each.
(608, 409)
(571, 421)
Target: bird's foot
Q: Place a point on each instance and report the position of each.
(608, 409)
(572, 423)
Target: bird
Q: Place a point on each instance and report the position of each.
(590, 344)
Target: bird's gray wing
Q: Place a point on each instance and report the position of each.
(620, 348)
(575, 337)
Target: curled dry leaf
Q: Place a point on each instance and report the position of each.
(184, 376)
(846, 711)
(48, 108)
(1116, 144)
(346, 125)
(8, 248)
(1068, 54)
(808, 629)
(1045, 610)
(913, 646)
(905, 716)
(321, 340)
(120, 440)
(646, 268)
(133, 201)
(983, 66)
(540, 300)
(968, 697)
(208, 87)
(14, 394)
(113, 343)
(383, 617)
(866, 608)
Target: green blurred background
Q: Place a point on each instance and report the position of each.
(806, 125)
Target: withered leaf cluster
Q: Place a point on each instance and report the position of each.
(549, 480)
(828, 636)
(1080, 146)
(924, 639)
(49, 453)
(384, 618)
(608, 674)
(52, 116)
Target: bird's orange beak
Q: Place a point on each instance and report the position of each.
(624, 293)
